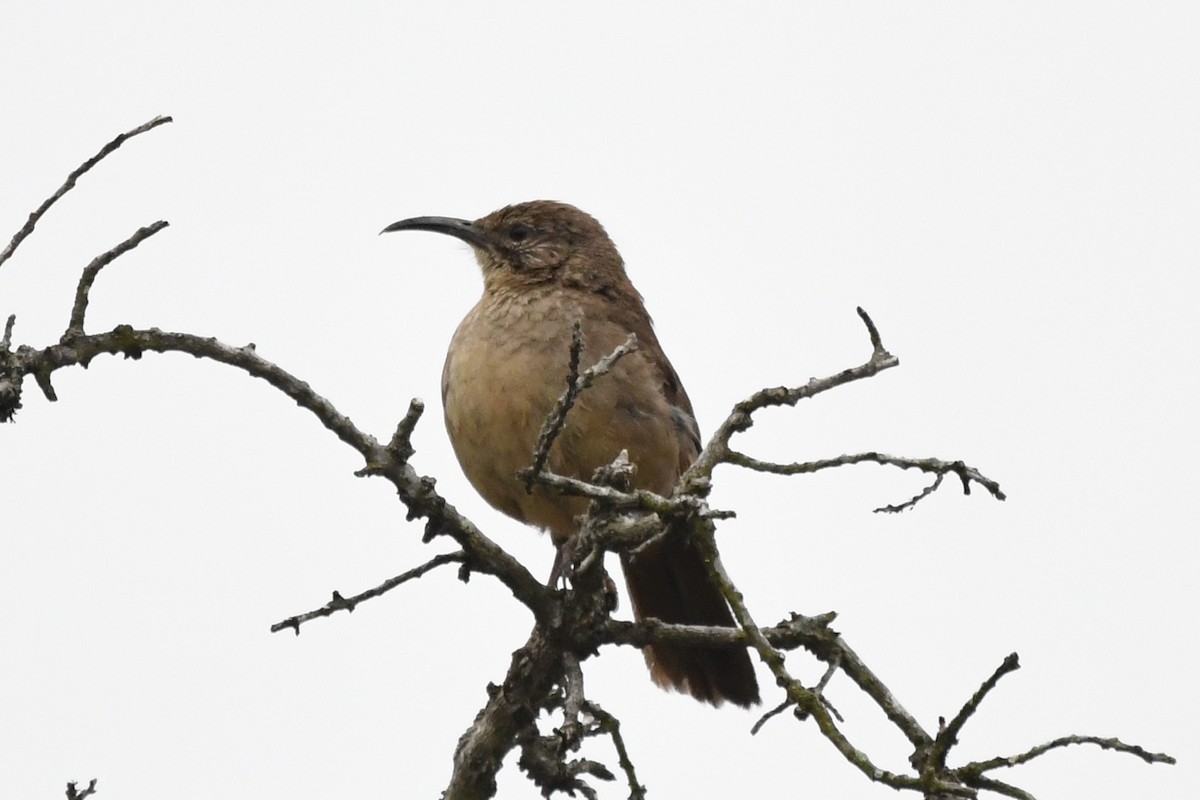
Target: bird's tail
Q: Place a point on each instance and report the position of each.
(668, 581)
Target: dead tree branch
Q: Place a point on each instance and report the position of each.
(75, 326)
(572, 625)
(69, 183)
(348, 604)
(75, 793)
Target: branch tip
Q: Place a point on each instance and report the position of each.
(401, 443)
(6, 342)
(69, 183)
(872, 331)
(74, 793)
(340, 603)
(948, 735)
(75, 325)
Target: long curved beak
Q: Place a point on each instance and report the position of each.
(463, 229)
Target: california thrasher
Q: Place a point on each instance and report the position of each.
(545, 266)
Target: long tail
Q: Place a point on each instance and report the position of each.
(669, 581)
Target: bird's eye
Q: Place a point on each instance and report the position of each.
(519, 232)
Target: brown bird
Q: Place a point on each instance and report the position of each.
(545, 266)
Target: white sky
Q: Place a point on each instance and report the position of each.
(1011, 190)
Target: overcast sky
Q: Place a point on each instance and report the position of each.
(1010, 189)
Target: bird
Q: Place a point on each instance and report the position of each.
(546, 266)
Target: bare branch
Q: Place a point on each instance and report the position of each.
(999, 787)
(612, 726)
(545, 759)
(557, 418)
(697, 478)
(401, 445)
(933, 466)
(806, 701)
(69, 183)
(768, 716)
(573, 699)
(339, 603)
(948, 736)
(416, 491)
(546, 673)
(876, 342)
(511, 709)
(1112, 743)
(916, 498)
(75, 326)
(967, 475)
(576, 383)
(74, 793)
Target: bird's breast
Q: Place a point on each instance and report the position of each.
(506, 368)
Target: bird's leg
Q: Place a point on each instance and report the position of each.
(563, 564)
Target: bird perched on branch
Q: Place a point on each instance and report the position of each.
(547, 265)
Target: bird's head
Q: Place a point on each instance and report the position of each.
(538, 242)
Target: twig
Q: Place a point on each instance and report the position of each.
(698, 477)
(999, 787)
(806, 701)
(818, 690)
(612, 726)
(69, 184)
(416, 491)
(75, 326)
(768, 716)
(573, 700)
(1112, 743)
(830, 671)
(576, 383)
(73, 793)
(948, 736)
(873, 332)
(401, 444)
(6, 342)
(934, 466)
(916, 498)
(339, 603)
(557, 418)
